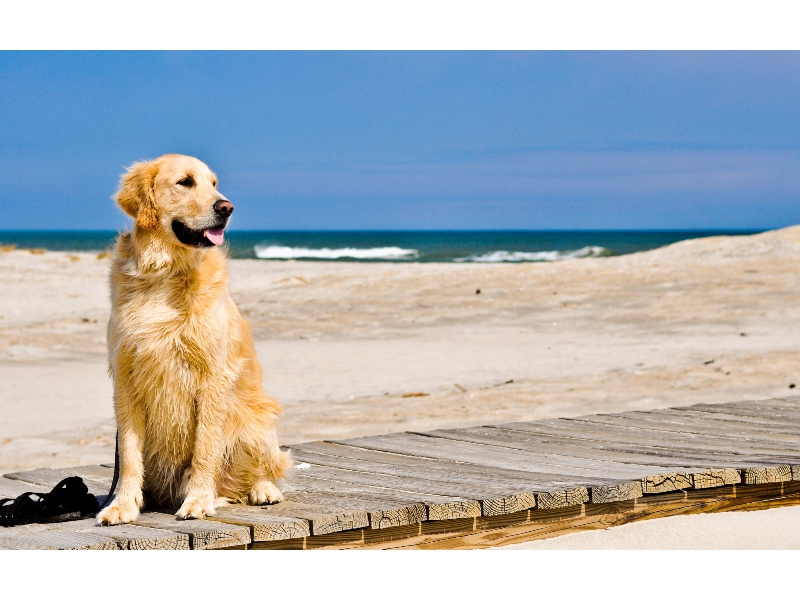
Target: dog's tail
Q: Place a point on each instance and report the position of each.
(284, 465)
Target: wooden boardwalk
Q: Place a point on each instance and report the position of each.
(478, 486)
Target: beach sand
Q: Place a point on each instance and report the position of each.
(354, 349)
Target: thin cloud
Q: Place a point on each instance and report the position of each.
(551, 173)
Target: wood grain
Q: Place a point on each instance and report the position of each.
(636, 439)
(32, 537)
(265, 526)
(715, 478)
(554, 451)
(616, 493)
(503, 457)
(11, 488)
(354, 486)
(667, 482)
(429, 491)
(743, 435)
(442, 471)
(477, 486)
(128, 536)
(489, 533)
(775, 474)
(203, 534)
(562, 499)
(552, 491)
(680, 454)
(48, 478)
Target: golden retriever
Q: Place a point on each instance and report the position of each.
(196, 428)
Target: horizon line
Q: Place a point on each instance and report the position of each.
(498, 230)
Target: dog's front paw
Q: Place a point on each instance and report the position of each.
(197, 507)
(118, 512)
(265, 492)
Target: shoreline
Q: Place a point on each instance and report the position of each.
(398, 246)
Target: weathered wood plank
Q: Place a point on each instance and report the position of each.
(507, 458)
(616, 493)
(487, 532)
(687, 416)
(265, 526)
(666, 482)
(733, 414)
(603, 516)
(775, 474)
(406, 483)
(491, 497)
(507, 505)
(382, 509)
(503, 457)
(551, 492)
(787, 400)
(370, 461)
(693, 457)
(562, 499)
(781, 421)
(27, 538)
(554, 450)
(717, 447)
(97, 473)
(48, 478)
(11, 488)
(742, 435)
(127, 536)
(203, 534)
(715, 478)
(761, 410)
(656, 483)
(322, 518)
(641, 438)
(727, 420)
(378, 500)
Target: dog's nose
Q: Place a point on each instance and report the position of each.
(223, 208)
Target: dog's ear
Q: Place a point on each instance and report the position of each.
(136, 195)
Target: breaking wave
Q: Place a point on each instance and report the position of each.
(545, 256)
(288, 252)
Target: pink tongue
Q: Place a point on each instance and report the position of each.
(215, 236)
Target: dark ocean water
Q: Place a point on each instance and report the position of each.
(399, 246)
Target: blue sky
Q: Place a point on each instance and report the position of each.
(412, 140)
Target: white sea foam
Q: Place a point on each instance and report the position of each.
(287, 252)
(545, 256)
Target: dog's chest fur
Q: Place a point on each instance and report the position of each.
(176, 327)
(171, 333)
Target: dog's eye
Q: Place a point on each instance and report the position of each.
(186, 182)
(214, 183)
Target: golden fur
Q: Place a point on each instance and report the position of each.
(195, 425)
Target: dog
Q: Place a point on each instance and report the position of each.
(195, 427)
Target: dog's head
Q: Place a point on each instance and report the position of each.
(175, 197)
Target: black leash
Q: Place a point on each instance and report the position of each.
(69, 500)
(114, 479)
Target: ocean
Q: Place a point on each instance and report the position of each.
(399, 246)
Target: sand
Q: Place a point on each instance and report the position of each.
(777, 528)
(358, 349)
